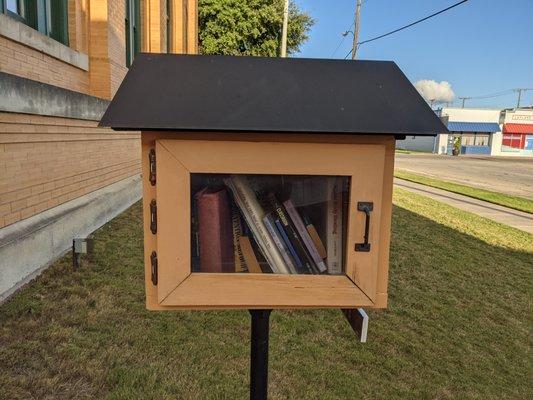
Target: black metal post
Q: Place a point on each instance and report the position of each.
(259, 354)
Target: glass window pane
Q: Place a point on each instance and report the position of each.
(13, 6)
(285, 224)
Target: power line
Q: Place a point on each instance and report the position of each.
(342, 40)
(496, 94)
(409, 25)
(345, 34)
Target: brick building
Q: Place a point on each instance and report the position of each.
(61, 61)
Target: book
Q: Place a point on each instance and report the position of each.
(306, 263)
(298, 263)
(334, 225)
(215, 230)
(302, 231)
(240, 262)
(253, 214)
(252, 265)
(314, 235)
(278, 240)
(195, 241)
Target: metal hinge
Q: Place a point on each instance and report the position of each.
(151, 158)
(153, 262)
(153, 217)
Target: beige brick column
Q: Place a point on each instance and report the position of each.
(107, 54)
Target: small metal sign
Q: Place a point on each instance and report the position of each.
(81, 246)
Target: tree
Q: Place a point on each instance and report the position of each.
(249, 27)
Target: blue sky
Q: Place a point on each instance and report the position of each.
(480, 47)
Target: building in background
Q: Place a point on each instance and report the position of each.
(477, 131)
(61, 61)
(506, 132)
(517, 137)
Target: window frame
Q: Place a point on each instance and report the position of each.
(132, 29)
(43, 16)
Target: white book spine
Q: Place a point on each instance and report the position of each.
(334, 226)
(279, 242)
(302, 230)
(253, 213)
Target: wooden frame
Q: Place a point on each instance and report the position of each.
(366, 160)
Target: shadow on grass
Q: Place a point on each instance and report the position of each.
(456, 327)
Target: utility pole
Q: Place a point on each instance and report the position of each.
(464, 98)
(356, 28)
(519, 91)
(284, 30)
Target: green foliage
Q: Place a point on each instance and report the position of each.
(457, 143)
(250, 28)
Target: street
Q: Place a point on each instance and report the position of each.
(512, 176)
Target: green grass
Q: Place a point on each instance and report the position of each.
(457, 325)
(403, 151)
(515, 202)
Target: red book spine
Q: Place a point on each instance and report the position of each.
(215, 231)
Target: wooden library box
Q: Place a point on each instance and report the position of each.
(267, 182)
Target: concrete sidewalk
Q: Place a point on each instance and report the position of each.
(508, 216)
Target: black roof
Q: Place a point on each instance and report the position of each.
(256, 94)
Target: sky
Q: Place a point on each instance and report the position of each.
(480, 47)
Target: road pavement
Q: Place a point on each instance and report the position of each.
(508, 175)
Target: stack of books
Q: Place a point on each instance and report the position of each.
(264, 224)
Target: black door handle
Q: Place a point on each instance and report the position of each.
(366, 207)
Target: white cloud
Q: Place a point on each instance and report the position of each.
(434, 91)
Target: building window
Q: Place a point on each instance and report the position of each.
(481, 139)
(49, 17)
(133, 30)
(15, 9)
(57, 17)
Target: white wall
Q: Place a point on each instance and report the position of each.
(471, 115)
(442, 145)
(496, 144)
(519, 116)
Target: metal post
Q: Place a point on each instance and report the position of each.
(356, 28)
(259, 354)
(285, 27)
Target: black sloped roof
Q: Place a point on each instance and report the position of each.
(256, 94)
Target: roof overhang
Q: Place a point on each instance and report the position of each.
(486, 127)
(518, 128)
(256, 94)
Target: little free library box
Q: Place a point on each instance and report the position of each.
(267, 182)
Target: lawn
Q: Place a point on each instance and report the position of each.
(515, 202)
(457, 326)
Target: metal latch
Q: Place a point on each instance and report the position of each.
(366, 207)
(153, 217)
(151, 158)
(153, 262)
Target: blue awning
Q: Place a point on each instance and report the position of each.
(473, 127)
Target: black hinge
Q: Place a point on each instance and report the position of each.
(153, 262)
(151, 158)
(153, 217)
